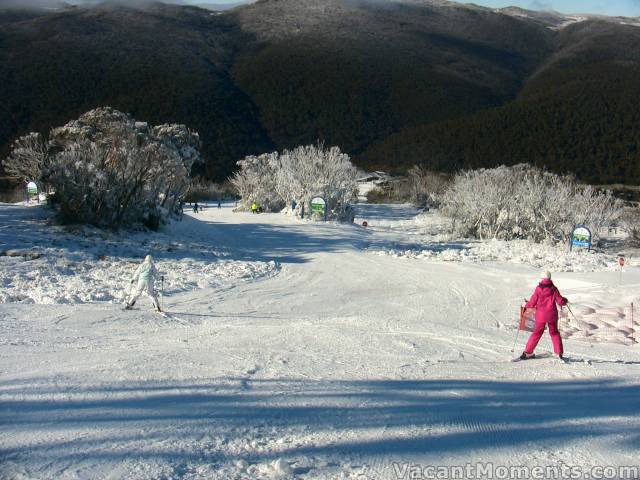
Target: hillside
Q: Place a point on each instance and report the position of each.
(392, 83)
(579, 113)
(162, 64)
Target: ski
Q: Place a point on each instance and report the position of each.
(563, 360)
(170, 316)
(520, 359)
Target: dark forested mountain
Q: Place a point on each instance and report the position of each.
(160, 63)
(579, 112)
(392, 82)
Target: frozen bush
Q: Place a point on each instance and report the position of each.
(630, 225)
(422, 188)
(29, 156)
(256, 181)
(109, 170)
(525, 202)
(276, 180)
(426, 187)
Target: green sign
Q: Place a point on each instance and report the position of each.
(32, 188)
(581, 237)
(319, 207)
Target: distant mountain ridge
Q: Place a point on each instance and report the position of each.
(394, 83)
(62, 4)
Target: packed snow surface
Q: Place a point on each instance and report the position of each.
(85, 264)
(306, 350)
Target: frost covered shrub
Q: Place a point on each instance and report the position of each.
(29, 156)
(109, 170)
(426, 187)
(420, 187)
(275, 180)
(630, 224)
(256, 182)
(525, 202)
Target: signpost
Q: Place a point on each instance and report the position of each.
(32, 191)
(319, 207)
(621, 261)
(580, 237)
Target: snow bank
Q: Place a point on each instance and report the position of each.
(432, 240)
(557, 259)
(595, 321)
(45, 264)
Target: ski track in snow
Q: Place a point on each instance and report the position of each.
(289, 350)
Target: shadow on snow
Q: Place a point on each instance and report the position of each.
(446, 416)
(289, 243)
(25, 227)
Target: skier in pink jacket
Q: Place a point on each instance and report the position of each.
(544, 300)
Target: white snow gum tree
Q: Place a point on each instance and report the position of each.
(109, 170)
(276, 180)
(526, 202)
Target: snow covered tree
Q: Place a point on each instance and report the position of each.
(525, 202)
(29, 156)
(109, 170)
(256, 181)
(313, 170)
(630, 224)
(275, 180)
(426, 187)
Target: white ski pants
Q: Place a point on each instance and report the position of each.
(147, 289)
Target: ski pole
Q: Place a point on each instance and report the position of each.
(517, 332)
(569, 308)
(161, 291)
(127, 292)
(516, 340)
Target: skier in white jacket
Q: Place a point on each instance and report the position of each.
(144, 277)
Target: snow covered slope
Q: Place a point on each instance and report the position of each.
(334, 363)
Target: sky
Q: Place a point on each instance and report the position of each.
(626, 8)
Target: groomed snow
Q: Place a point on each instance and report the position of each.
(435, 244)
(45, 264)
(293, 350)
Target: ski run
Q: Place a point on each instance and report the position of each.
(290, 349)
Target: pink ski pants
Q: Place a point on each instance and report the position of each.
(537, 333)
